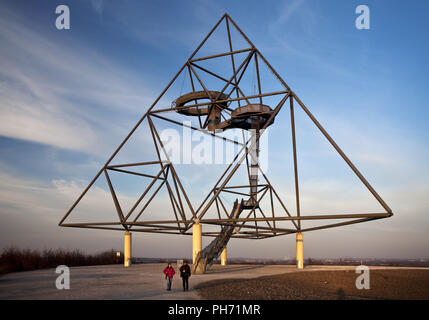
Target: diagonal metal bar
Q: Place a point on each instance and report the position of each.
(342, 154)
(134, 173)
(155, 137)
(255, 206)
(145, 192)
(199, 130)
(295, 162)
(258, 77)
(276, 110)
(340, 224)
(193, 90)
(245, 62)
(173, 170)
(221, 55)
(149, 201)
(232, 59)
(115, 199)
(268, 223)
(211, 73)
(219, 101)
(139, 122)
(272, 207)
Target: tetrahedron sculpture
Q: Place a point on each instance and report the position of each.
(214, 98)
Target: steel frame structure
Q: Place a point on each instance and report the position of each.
(245, 227)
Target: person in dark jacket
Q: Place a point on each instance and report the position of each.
(169, 273)
(185, 273)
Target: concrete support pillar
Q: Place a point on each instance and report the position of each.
(299, 251)
(196, 240)
(223, 257)
(127, 249)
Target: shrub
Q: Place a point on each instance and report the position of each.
(13, 259)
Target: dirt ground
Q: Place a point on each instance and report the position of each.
(146, 281)
(329, 285)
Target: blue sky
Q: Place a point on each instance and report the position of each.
(68, 98)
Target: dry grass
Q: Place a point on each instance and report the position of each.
(14, 259)
(316, 285)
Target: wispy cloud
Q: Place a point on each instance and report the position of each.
(288, 9)
(295, 31)
(53, 95)
(98, 6)
(49, 201)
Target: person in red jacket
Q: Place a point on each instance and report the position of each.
(169, 273)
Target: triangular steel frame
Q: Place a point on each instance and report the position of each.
(246, 227)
